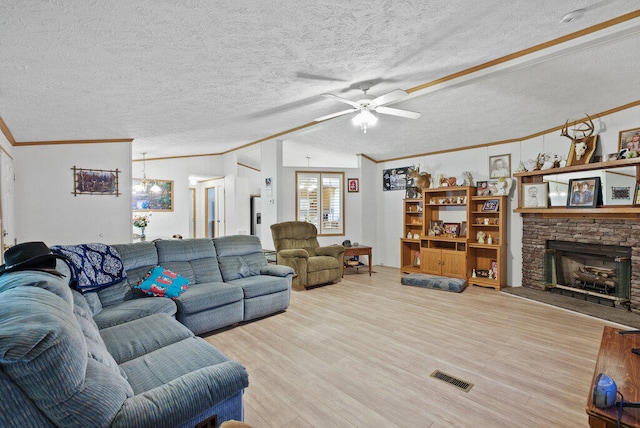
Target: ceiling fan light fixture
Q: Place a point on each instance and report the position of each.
(365, 119)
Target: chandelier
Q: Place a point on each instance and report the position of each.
(145, 185)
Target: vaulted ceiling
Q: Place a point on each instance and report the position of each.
(200, 77)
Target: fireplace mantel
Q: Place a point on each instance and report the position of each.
(622, 212)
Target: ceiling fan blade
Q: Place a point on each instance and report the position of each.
(397, 112)
(340, 113)
(389, 97)
(343, 100)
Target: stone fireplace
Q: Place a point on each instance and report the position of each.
(593, 256)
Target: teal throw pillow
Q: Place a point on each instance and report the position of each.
(161, 282)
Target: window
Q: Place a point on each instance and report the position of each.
(320, 200)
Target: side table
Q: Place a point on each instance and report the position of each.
(360, 250)
(616, 360)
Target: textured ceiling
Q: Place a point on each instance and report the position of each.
(198, 77)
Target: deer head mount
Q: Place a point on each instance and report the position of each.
(582, 147)
(422, 180)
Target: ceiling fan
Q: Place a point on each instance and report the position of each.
(365, 106)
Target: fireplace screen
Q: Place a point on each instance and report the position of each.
(604, 270)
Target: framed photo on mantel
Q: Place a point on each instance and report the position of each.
(584, 192)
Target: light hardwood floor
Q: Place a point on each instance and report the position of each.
(360, 353)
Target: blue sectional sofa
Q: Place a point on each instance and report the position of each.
(113, 357)
(230, 281)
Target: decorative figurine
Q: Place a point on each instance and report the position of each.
(521, 167)
(480, 237)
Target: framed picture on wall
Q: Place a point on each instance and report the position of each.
(500, 166)
(394, 178)
(95, 181)
(152, 195)
(629, 140)
(353, 185)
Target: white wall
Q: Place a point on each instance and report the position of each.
(273, 208)
(253, 179)
(48, 211)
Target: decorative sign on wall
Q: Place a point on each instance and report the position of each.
(95, 181)
(395, 178)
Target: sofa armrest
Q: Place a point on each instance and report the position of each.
(293, 253)
(277, 270)
(336, 251)
(184, 398)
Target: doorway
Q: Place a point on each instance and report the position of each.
(210, 212)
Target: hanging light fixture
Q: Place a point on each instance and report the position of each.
(364, 120)
(145, 185)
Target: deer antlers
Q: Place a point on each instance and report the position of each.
(589, 128)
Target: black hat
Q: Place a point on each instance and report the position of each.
(30, 256)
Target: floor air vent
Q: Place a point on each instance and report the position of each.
(458, 383)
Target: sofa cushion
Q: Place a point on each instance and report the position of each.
(261, 285)
(137, 259)
(141, 336)
(195, 259)
(163, 282)
(200, 297)
(320, 263)
(93, 300)
(456, 285)
(116, 293)
(165, 364)
(133, 309)
(137, 254)
(239, 256)
(96, 348)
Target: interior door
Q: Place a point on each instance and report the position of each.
(7, 188)
(221, 225)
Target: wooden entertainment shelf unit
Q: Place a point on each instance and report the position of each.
(460, 255)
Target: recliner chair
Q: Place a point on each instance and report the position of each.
(297, 246)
